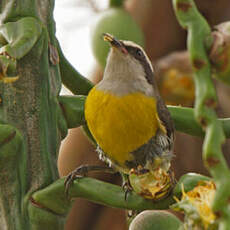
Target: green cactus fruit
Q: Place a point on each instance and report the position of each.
(120, 24)
(155, 220)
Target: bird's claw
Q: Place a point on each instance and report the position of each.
(127, 188)
(75, 174)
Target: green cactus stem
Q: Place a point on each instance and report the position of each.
(185, 122)
(16, 40)
(32, 120)
(198, 34)
(73, 109)
(41, 218)
(54, 197)
(71, 78)
(19, 36)
(116, 3)
(12, 176)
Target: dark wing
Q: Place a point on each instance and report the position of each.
(163, 113)
(159, 146)
(165, 117)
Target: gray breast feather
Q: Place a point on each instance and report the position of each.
(159, 146)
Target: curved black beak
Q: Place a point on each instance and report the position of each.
(114, 42)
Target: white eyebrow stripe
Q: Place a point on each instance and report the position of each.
(130, 43)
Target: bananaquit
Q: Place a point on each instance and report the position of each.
(130, 122)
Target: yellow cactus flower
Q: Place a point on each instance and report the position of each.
(196, 204)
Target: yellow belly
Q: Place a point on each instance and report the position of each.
(120, 124)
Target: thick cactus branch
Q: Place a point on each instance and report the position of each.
(54, 198)
(28, 154)
(198, 34)
(73, 109)
(96, 191)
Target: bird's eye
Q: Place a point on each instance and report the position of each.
(139, 53)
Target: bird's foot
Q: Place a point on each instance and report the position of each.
(79, 172)
(127, 188)
(83, 171)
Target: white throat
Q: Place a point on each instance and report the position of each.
(123, 75)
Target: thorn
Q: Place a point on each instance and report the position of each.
(198, 63)
(212, 161)
(210, 103)
(203, 122)
(183, 6)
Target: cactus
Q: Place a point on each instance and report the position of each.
(199, 42)
(32, 123)
(34, 119)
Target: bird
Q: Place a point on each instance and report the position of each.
(130, 123)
